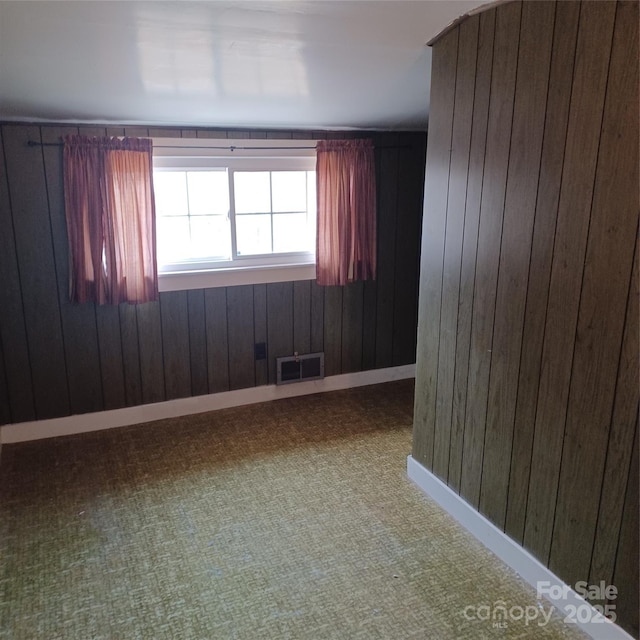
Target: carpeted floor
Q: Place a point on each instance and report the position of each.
(292, 519)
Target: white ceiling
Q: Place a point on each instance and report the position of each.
(279, 63)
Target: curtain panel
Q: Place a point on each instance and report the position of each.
(346, 194)
(110, 213)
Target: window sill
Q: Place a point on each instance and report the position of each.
(204, 279)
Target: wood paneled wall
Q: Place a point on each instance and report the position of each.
(527, 362)
(58, 359)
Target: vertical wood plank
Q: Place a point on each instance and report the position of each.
(197, 342)
(484, 62)
(352, 301)
(625, 412)
(626, 576)
(174, 318)
(302, 316)
(555, 129)
(79, 327)
(534, 58)
(151, 352)
(333, 330)
(130, 354)
(5, 410)
(279, 324)
(215, 303)
(260, 330)
(369, 305)
(386, 161)
(406, 271)
(507, 33)
(581, 150)
(443, 78)
(112, 371)
(456, 203)
(12, 324)
(603, 302)
(317, 318)
(36, 264)
(240, 336)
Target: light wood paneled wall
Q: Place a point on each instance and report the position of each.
(527, 369)
(58, 359)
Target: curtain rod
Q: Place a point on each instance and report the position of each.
(35, 143)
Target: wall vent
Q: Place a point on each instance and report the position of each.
(297, 368)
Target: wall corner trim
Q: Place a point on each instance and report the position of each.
(519, 559)
(69, 425)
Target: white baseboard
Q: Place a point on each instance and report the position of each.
(38, 429)
(515, 556)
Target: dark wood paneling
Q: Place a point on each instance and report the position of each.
(333, 330)
(551, 378)
(583, 136)
(603, 304)
(241, 337)
(279, 324)
(112, 369)
(174, 317)
(626, 578)
(408, 229)
(456, 201)
(317, 317)
(151, 353)
(522, 184)
(482, 86)
(260, 330)
(625, 412)
(79, 327)
(557, 115)
(12, 325)
(130, 354)
(387, 198)
(501, 101)
(443, 77)
(197, 342)
(36, 264)
(302, 316)
(186, 345)
(369, 322)
(5, 411)
(352, 302)
(215, 304)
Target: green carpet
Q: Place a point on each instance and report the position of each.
(291, 519)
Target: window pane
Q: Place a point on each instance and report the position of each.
(208, 193)
(172, 239)
(289, 190)
(210, 237)
(291, 233)
(253, 234)
(170, 190)
(252, 191)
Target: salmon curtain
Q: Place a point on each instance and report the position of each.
(110, 212)
(346, 194)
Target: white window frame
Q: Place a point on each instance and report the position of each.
(244, 155)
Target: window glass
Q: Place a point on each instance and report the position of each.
(170, 190)
(253, 234)
(252, 191)
(208, 193)
(289, 191)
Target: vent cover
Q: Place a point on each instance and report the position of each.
(298, 368)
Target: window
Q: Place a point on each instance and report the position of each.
(234, 211)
